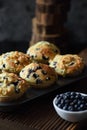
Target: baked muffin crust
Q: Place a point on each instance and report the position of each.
(13, 61)
(39, 75)
(42, 51)
(12, 87)
(67, 65)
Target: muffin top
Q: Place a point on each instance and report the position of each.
(39, 75)
(42, 51)
(13, 61)
(68, 64)
(11, 86)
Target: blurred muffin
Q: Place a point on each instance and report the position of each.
(67, 65)
(39, 75)
(13, 61)
(11, 87)
(42, 51)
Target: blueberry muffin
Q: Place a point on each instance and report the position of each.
(12, 87)
(13, 61)
(42, 51)
(67, 65)
(39, 75)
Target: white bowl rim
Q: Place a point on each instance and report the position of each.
(66, 111)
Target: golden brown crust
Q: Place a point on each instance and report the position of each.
(42, 51)
(13, 61)
(39, 75)
(11, 87)
(67, 65)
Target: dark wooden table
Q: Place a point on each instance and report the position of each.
(40, 114)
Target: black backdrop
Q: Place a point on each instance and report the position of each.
(15, 23)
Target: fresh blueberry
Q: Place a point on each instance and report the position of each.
(76, 101)
(70, 108)
(60, 105)
(79, 102)
(72, 101)
(65, 107)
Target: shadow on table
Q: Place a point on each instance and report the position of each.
(82, 125)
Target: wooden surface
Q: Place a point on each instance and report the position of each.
(40, 114)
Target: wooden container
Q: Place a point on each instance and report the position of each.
(51, 19)
(46, 30)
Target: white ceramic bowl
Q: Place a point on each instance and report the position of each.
(72, 116)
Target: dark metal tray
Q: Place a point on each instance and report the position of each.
(32, 93)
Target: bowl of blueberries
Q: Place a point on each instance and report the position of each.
(71, 106)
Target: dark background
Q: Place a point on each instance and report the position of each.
(15, 24)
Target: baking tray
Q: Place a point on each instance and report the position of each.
(33, 93)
